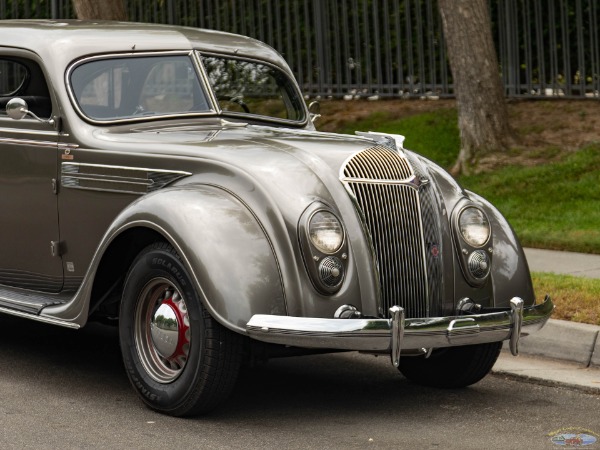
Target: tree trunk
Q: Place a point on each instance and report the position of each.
(100, 9)
(482, 112)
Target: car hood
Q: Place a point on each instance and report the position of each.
(233, 142)
(291, 163)
(291, 168)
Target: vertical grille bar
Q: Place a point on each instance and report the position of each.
(380, 181)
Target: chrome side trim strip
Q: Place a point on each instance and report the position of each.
(28, 131)
(66, 146)
(29, 142)
(43, 319)
(35, 142)
(386, 335)
(123, 179)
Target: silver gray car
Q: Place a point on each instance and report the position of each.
(170, 181)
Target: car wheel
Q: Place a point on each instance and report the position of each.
(453, 367)
(178, 358)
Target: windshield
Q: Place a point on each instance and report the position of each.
(250, 87)
(129, 87)
(133, 87)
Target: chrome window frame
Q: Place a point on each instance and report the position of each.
(195, 63)
(258, 117)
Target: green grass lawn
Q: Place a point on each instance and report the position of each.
(554, 205)
(576, 298)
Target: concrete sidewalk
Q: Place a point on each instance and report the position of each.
(562, 353)
(568, 263)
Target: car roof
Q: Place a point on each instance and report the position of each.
(69, 40)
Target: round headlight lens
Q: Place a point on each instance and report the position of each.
(474, 226)
(326, 232)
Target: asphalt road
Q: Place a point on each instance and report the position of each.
(67, 389)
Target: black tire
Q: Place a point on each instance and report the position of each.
(177, 357)
(453, 367)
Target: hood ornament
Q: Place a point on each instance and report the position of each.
(393, 141)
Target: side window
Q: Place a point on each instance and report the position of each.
(13, 76)
(23, 78)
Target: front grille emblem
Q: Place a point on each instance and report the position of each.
(417, 182)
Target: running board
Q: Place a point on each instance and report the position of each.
(27, 301)
(44, 319)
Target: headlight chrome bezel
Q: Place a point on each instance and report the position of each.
(326, 264)
(484, 223)
(475, 255)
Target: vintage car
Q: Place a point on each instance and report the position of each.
(170, 180)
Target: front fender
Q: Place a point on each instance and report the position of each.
(224, 247)
(222, 244)
(510, 271)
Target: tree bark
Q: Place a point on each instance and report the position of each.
(482, 112)
(100, 9)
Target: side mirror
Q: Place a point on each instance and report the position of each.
(314, 109)
(17, 108)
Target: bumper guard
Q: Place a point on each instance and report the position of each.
(398, 333)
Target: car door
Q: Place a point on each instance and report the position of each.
(29, 233)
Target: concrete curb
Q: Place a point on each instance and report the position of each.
(559, 339)
(548, 372)
(567, 341)
(564, 354)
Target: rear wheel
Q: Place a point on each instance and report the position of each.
(452, 367)
(177, 357)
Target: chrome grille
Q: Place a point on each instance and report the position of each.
(380, 180)
(377, 163)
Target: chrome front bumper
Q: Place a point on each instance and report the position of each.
(398, 333)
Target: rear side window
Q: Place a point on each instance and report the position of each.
(13, 76)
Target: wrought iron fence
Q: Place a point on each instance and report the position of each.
(388, 48)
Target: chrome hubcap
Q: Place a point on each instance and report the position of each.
(162, 330)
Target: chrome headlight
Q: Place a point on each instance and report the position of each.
(473, 232)
(474, 226)
(324, 247)
(326, 232)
